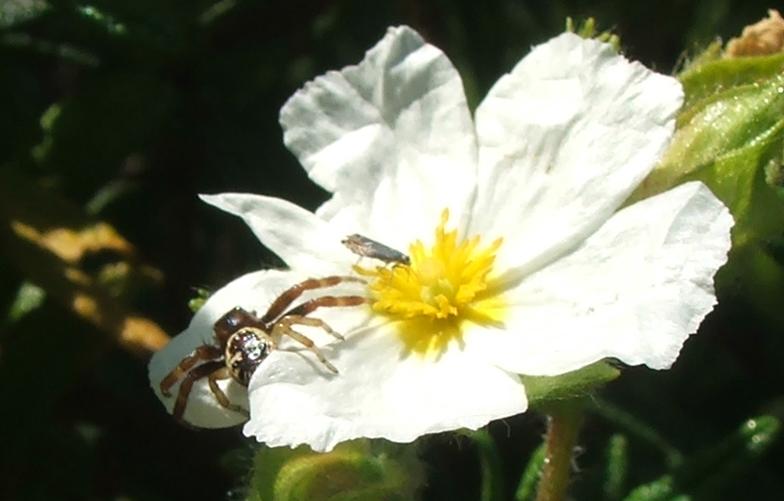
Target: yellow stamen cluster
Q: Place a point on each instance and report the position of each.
(442, 287)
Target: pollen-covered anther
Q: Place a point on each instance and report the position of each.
(441, 282)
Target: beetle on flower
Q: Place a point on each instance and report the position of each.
(522, 259)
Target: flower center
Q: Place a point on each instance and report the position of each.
(440, 289)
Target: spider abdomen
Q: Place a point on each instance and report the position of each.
(245, 350)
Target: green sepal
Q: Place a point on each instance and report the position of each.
(587, 29)
(712, 52)
(356, 470)
(543, 391)
(706, 474)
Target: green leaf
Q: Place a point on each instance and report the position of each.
(108, 194)
(635, 427)
(216, 11)
(617, 457)
(24, 42)
(544, 390)
(21, 101)
(490, 464)
(28, 298)
(202, 295)
(662, 489)
(13, 12)
(712, 470)
(704, 80)
(90, 135)
(101, 19)
(526, 489)
(707, 474)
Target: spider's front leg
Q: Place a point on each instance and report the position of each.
(292, 293)
(324, 301)
(203, 352)
(297, 316)
(311, 322)
(283, 328)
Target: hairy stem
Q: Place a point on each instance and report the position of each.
(563, 424)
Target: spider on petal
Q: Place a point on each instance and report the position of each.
(244, 340)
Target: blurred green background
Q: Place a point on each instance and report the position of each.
(123, 112)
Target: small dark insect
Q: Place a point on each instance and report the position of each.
(244, 340)
(365, 247)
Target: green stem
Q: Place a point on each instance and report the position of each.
(563, 425)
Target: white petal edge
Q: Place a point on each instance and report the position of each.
(563, 139)
(394, 128)
(381, 392)
(635, 290)
(301, 239)
(253, 292)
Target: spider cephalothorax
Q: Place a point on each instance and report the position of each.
(247, 345)
(243, 340)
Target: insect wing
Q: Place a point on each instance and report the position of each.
(366, 247)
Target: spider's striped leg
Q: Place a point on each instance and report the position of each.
(199, 372)
(220, 396)
(311, 322)
(283, 328)
(291, 294)
(324, 301)
(203, 352)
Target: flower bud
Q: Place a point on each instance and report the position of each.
(356, 470)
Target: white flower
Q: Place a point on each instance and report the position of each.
(522, 262)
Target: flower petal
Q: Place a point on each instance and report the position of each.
(563, 140)
(380, 392)
(296, 235)
(392, 129)
(635, 290)
(252, 292)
